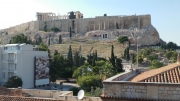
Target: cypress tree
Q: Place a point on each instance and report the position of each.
(112, 56)
(76, 59)
(70, 58)
(127, 54)
(89, 59)
(60, 39)
(36, 42)
(96, 55)
(94, 59)
(49, 41)
(133, 59)
(39, 40)
(119, 66)
(70, 35)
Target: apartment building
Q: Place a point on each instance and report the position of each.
(19, 60)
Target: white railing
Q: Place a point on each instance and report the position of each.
(10, 60)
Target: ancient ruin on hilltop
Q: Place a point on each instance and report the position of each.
(98, 28)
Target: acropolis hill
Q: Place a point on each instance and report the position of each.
(102, 28)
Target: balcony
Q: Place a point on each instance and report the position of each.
(11, 61)
(11, 70)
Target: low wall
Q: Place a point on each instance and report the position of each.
(47, 93)
(121, 76)
(139, 90)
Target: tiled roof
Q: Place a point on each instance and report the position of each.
(14, 98)
(166, 74)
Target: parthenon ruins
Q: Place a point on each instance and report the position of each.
(52, 16)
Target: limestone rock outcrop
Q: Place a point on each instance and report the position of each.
(146, 36)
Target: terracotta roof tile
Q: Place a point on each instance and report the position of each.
(166, 74)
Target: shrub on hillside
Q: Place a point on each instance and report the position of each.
(122, 39)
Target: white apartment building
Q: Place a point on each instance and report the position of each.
(19, 60)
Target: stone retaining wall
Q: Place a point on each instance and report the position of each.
(138, 90)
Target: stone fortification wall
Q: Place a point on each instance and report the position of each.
(33, 25)
(86, 28)
(99, 23)
(86, 24)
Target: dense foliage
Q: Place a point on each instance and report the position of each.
(75, 90)
(122, 39)
(20, 38)
(156, 64)
(55, 29)
(14, 82)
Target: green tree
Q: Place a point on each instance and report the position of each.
(81, 60)
(45, 27)
(117, 26)
(43, 47)
(86, 82)
(156, 64)
(94, 59)
(14, 82)
(140, 59)
(55, 29)
(76, 59)
(119, 66)
(95, 92)
(133, 59)
(75, 90)
(39, 40)
(70, 57)
(60, 39)
(20, 38)
(152, 57)
(89, 59)
(122, 39)
(112, 58)
(49, 41)
(168, 54)
(127, 54)
(70, 33)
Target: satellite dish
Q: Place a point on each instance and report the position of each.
(80, 94)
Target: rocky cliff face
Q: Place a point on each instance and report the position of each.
(147, 35)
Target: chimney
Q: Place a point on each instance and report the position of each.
(178, 58)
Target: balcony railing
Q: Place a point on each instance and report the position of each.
(10, 70)
(10, 60)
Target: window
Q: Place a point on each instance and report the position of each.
(104, 35)
(15, 56)
(5, 48)
(15, 66)
(4, 75)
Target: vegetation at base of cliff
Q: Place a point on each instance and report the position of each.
(14, 82)
(20, 38)
(122, 39)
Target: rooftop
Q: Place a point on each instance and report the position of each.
(166, 74)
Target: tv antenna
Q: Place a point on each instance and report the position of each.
(80, 94)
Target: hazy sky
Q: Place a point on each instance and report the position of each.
(165, 14)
